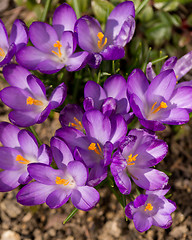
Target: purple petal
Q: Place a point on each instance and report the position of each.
(24, 178)
(85, 198)
(4, 36)
(19, 34)
(43, 36)
(88, 104)
(68, 42)
(169, 64)
(162, 220)
(61, 152)
(23, 119)
(150, 72)
(160, 192)
(96, 175)
(57, 198)
(64, 19)
(127, 144)
(142, 222)
(182, 97)
(107, 152)
(123, 182)
(44, 154)
(140, 200)
(113, 52)
(9, 135)
(109, 106)
(9, 180)
(94, 60)
(128, 210)
(58, 96)
(183, 65)
(10, 53)
(49, 66)
(76, 61)
(8, 159)
(78, 171)
(36, 87)
(34, 193)
(91, 27)
(152, 125)
(176, 116)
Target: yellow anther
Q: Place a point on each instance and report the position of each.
(2, 53)
(177, 76)
(78, 125)
(31, 101)
(65, 182)
(96, 148)
(57, 45)
(22, 160)
(131, 159)
(100, 45)
(149, 207)
(162, 105)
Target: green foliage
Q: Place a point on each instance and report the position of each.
(101, 9)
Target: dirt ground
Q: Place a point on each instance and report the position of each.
(107, 220)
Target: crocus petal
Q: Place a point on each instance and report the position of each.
(182, 97)
(61, 152)
(137, 105)
(16, 75)
(150, 72)
(8, 158)
(78, 171)
(183, 65)
(113, 52)
(123, 182)
(9, 180)
(169, 64)
(34, 193)
(160, 192)
(43, 36)
(96, 175)
(109, 106)
(36, 87)
(107, 153)
(96, 92)
(140, 200)
(88, 104)
(148, 178)
(117, 18)
(23, 119)
(68, 42)
(142, 223)
(162, 220)
(85, 198)
(92, 27)
(10, 53)
(76, 61)
(24, 178)
(8, 135)
(58, 96)
(152, 125)
(44, 154)
(4, 36)
(28, 143)
(49, 66)
(97, 125)
(128, 210)
(19, 34)
(57, 198)
(176, 116)
(94, 60)
(64, 19)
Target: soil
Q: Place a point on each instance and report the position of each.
(107, 220)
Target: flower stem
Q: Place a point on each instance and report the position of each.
(31, 129)
(70, 215)
(46, 9)
(76, 8)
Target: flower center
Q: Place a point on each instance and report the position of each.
(22, 160)
(78, 125)
(58, 45)
(31, 101)
(131, 159)
(100, 45)
(2, 53)
(149, 207)
(162, 105)
(96, 149)
(63, 181)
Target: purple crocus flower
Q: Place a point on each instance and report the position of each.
(9, 46)
(160, 102)
(95, 147)
(27, 96)
(54, 46)
(151, 209)
(137, 153)
(56, 186)
(20, 149)
(119, 31)
(111, 99)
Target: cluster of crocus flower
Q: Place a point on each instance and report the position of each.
(93, 143)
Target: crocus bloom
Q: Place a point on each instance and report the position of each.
(27, 96)
(159, 102)
(137, 153)
(19, 150)
(111, 99)
(9, 46)
(56, 186)
(54, 46)
(95, 147)
(151, 209)
(119, 31)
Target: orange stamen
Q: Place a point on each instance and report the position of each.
(78, 125)
(100, 35)
(149, 207)
(96, 149)
(65, 182)
(31, 101)
(2, 53)
(131, 159)
(162, 105)
(58, 45)
(22, 160)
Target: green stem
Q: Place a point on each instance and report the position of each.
(141, 6)
(31, 129)
(159, 59)
(76, 8)
(70, 215)
(117, 195)
(146, 61)
(46, 9)
(113, 67)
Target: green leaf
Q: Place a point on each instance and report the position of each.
(101, 9)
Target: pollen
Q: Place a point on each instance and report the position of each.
(96, 148)
(100, 45)
(2, 53)
(22, 160)
(162, 105)
(31, 101)
(149, 207)
(59, 180)
(78, 125)
(131, 159)
(57, 45)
